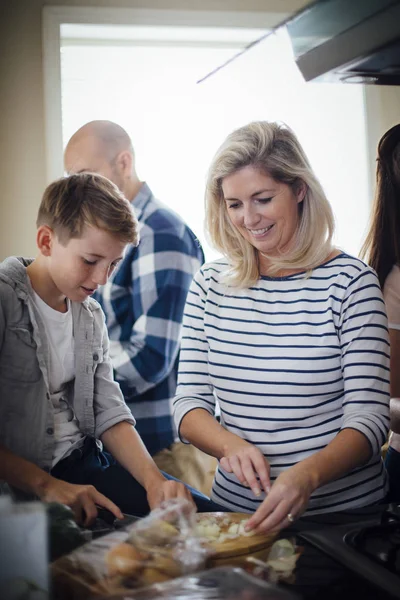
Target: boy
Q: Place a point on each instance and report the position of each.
(58, 398)
(154, 280)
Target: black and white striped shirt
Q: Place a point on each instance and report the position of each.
(291, 361)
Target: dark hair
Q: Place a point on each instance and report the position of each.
(382, 245)
(86, 199)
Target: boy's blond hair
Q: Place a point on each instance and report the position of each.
(71, 203)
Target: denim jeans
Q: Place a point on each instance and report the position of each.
(392, 464)
(90, 466)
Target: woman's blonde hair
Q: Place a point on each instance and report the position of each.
(273, 149)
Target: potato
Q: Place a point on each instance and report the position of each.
(217, 531)
(151, 575)
(159, 533)
(124, 559)
(166, 565)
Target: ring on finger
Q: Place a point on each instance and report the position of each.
(290, 518)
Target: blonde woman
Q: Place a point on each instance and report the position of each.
(288, 335)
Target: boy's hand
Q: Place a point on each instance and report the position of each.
(164, 489)
(81, 498)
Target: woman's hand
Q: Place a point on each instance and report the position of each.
(286, 502)
(162, 489)
(247, 462)
(81, 498)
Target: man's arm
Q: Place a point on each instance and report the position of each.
(161, 273)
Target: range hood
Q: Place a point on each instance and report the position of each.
(352, 41)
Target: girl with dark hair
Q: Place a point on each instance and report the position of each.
(382, 250)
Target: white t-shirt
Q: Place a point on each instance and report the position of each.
(61, 372)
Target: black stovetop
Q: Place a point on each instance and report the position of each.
(349, 555)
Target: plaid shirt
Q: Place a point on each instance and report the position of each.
(143, 302)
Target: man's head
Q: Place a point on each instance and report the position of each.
(84, 224)
(105, 148)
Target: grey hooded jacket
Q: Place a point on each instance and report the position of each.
(26, 412)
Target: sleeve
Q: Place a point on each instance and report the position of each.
(162, 271)
(391, 294)
(109, 404)
(364, 343)
(194, 389)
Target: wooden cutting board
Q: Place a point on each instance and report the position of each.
(239, 546)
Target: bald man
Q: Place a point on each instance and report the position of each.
(144, 299)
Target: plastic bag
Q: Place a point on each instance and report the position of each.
(152, 550)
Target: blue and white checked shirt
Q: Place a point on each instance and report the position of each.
(143, 302)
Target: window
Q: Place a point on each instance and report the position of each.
(144, 78)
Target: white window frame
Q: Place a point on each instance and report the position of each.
(55, 16)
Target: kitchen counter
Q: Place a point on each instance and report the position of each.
(327, 568)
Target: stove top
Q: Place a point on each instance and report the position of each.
(380, 544)
(368, 545)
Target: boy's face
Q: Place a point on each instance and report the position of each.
(80, 266)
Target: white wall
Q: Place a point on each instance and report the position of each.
(176, 125)
(22, 140)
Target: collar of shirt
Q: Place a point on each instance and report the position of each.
(141, 199)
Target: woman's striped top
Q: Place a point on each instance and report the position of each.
(291, 361)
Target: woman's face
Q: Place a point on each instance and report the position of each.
(263, 210)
